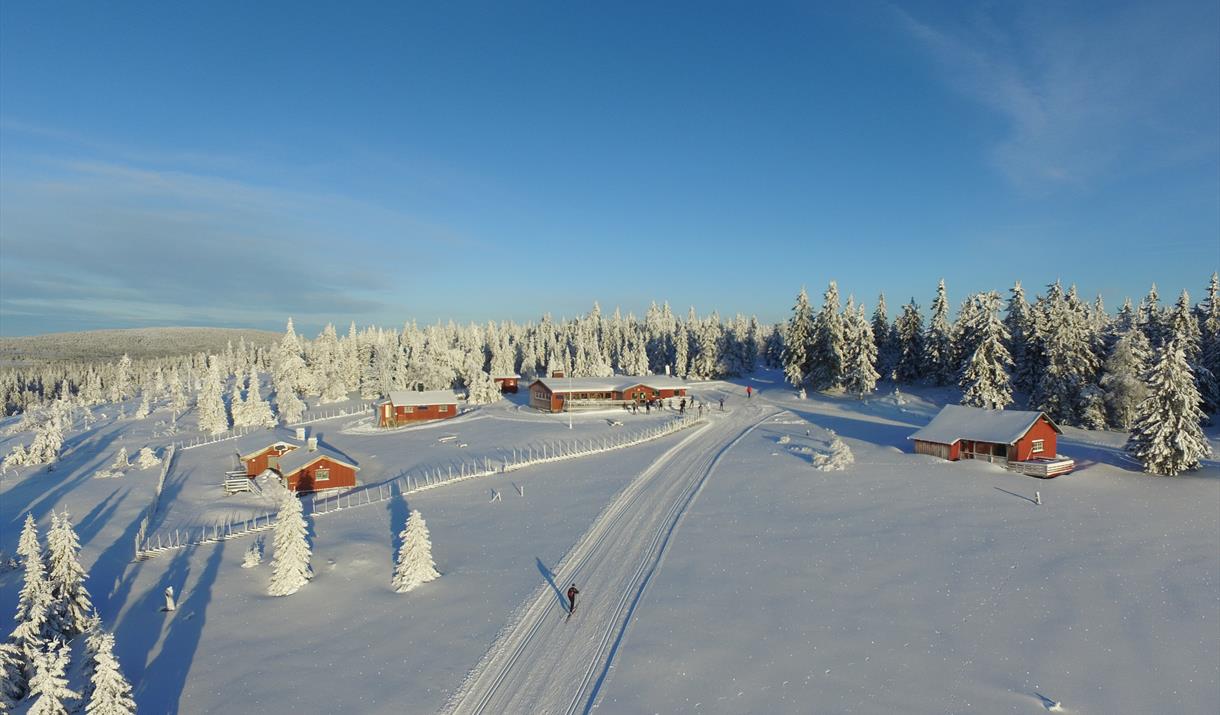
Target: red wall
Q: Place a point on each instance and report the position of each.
(258, 464)
(1041, 430)
(507, 384)
(389, 415)
(341, 475)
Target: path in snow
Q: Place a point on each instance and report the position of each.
(546, 663)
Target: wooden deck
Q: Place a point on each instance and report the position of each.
(1044, 468)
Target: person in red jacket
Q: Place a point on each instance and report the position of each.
(749, 392)
(572, 591)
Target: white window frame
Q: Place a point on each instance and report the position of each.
(321, 475)
(442, 408)
(1037, 446)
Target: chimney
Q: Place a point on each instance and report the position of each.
(312, 444)
(300, 434)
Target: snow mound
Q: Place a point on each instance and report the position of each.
(839, 457)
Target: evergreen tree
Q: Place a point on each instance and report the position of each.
(49, 692)
(211, 406)
(1209, 345)
(1066, 389)
(798, 339)
(908, 366)
(33, 606)
(985, 379)
(290, 568)
(72, 606)
(827, 348)
(1018, 320)
(860, 358)
(1149, 317)
(1167, 438)
(938, 347)
(13, 680)
(415, 565)
(883, 338)
(1122, 378)
(256, 411)
(111, 693)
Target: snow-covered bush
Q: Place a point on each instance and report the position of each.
(839, 456)
(147, 458)
(254, 555)
(415, 565)
(290, 568)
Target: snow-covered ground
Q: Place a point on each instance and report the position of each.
(719, 572)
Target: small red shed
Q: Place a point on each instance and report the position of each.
(1025, 441)
(507, 383)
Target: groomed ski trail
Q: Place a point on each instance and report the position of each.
(545, 663)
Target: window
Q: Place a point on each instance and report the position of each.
(407, 408)
(443, 408)
(321, 475)
(1037, 446)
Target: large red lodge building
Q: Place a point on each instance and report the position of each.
(551, 393)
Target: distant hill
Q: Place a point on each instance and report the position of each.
(136, 342)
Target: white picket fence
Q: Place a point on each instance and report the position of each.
(151, 510)
(213, 439)
(364, 408)
(411, 482)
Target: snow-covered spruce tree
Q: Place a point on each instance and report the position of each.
(49, 692)
(883, 338)
(415, 565)
(966, 333)
(143, 409)
(33, 605)
(121, 462)
(826, 351)
(860, 353)
(1018, 319)
(1208, 313)
(13, 680)
(290, 568)
(985, 380)
(1167, 438)
(1066, 388)
(210, 401)
(71, 607)
(909, 351)
(110, 692)
(256, 411)
(1122, 378)
(1183, 324)
(1149, 317)
(798, 339)
(481, 388)
(937, 346)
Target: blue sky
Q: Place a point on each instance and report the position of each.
(235, 163)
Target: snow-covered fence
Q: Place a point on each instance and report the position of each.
(364, 408)
(411, 482)
(213, 439)
(151, 510)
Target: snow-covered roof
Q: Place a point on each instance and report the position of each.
(505, 375)
(412, 398)
(255, 443)
(608, 384)
(956, 422)
(298, 458)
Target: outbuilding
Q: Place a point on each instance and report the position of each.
(405, 406)
(1025, 441)
(507, 382)
(316, 468)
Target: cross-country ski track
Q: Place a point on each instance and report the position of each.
(544, 662)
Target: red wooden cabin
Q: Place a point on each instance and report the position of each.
(507, 383)
(549, 394)
(405, 406)
(1024, 441)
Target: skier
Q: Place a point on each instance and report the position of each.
(682, 406)
(749, 392)
(572, 591)
(722, 404)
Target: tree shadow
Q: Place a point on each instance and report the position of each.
(891, 435)
(550, 578)
(1019, 496)
(399, 511)
(173, 663)
(98, 516)
(40, 490)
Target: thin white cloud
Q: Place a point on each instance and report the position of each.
(1119, 90)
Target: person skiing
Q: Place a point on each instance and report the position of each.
(749, 392)
(572, 591)
(722, 404)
